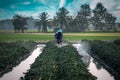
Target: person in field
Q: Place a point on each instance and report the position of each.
(59, 35)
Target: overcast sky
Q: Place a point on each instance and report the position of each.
(8, 8)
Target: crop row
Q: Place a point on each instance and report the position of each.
(58, 64)
(108, 52)
(11, 53)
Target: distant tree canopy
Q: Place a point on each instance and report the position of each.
(61, 17)
(83, 17)
(102, 20)
(42, 22)
(99, 19)
(110, 21)
(19, 23)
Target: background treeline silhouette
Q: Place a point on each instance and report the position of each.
(98, 19)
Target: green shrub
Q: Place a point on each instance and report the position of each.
(58, 64)
(109, 52)
(117, 42)
(12, 53)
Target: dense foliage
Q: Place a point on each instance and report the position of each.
(102, 20)
(62, 17)
(82, 18)
(42, 23)
(98, 19)
(58, 64)
(117, 42)
(109, 52)
(19, 23)
(12, 53)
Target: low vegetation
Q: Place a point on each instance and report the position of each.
(11, 53)
(58, 64)
(109, 52)
(50, 36)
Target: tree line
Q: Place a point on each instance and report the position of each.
(99, 18)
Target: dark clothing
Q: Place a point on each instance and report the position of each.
(58, 36)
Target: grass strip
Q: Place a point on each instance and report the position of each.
(50, 36)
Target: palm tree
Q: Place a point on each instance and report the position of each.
(61, 16)
(42, 23)
(19, 23)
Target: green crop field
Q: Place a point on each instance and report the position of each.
(50, 36)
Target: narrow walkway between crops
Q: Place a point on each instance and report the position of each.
(61, 45)
(22, 68)
(94, 67)
(82, 47)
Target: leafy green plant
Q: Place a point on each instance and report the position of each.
(58, 64)
(109, 52)
(12, 53)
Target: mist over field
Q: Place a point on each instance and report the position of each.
(79, 16)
